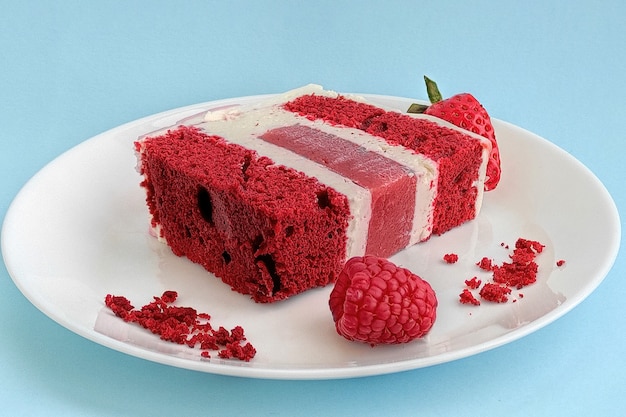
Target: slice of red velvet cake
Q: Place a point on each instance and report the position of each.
(274, 197)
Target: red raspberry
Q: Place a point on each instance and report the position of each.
(375, 301)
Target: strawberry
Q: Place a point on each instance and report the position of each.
(375, 301)
(464, 111)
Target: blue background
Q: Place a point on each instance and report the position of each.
(70, 70)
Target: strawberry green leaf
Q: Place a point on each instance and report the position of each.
(417, 108)
(433, 91)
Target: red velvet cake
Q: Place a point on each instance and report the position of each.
(275, 196)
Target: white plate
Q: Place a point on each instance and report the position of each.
(78, 231)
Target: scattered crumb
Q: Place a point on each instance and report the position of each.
(451, 258)
(520, 272)
(183, 326)
(495, 293)
(485, 264)
(473, 283)
(466, 297)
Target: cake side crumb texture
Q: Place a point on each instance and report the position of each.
(264, 229)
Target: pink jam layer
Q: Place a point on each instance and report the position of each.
(392, 185)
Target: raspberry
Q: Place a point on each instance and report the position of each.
(376, 302)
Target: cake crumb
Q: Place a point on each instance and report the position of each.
(451, 258)
(466, 297)
(560, 262)
(183, 326)
(495, 293)
(473, 283)
(485, 264)
(520, 272)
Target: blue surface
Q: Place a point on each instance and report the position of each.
(70, 70)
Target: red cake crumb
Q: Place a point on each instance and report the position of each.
(473, 283)
(515, 275)
(451, 258)
(495, 293)
(520, 272)
(485, 264)
(560, 262)
(523, 270)
(466, 297)
(183, 326)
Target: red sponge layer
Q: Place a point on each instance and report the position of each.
(266, 230)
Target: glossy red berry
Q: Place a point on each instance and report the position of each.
(464, 111)
(377, 302)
